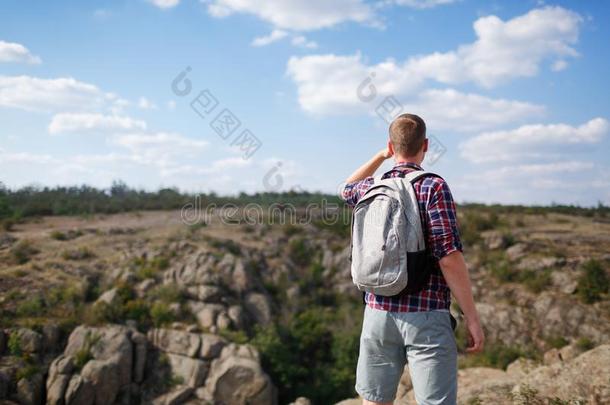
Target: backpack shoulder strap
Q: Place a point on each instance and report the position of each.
(415, 175)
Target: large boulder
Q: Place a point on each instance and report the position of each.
(97, 364)
(175, 341)
(236, 377)
(584, 378)
(259, 307)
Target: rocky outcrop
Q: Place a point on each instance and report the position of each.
(582, 378)
(97, 365)
(236, 377)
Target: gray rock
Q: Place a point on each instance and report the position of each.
(236, 315)
(109, 297)
(29, 341)
(223, 321)
(192, 371)
(139, 362)
(259, 306)
(175, 341)
(206, 313)
(2, 342)
(211, 346)
(104, 378)
(178, 396)
(56, 387)
(516, 251)
(50, 338)
(30, 390)
(204, 293)
(301, 401)
(144, 286)
(237, 378)
(79, 391)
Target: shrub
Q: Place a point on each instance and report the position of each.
(23, 251)
(584, 343)
(83, 355)
(161, 314)
(299, 252)
(226, 244)
(593, 282)
(80, 253)
(27, 372)
(557, 342)
(167, 293)
(30, 307)
(535, 281)
(14, 344)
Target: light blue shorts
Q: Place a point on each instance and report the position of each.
(424, 340)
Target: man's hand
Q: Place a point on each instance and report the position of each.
(476, 337)
(386, 153)
(456, 274)
(369, 168)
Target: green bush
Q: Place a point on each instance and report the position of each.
(32, 306)
(557, 342)
(584, 343)
(27, 372)
(299, 252)
(23, 251)
(161, 314)
(80, 253)
(593, 283)
(311, 355)
(14, 344)
(83, 355)
(535, 281)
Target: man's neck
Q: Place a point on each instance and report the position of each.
(403, 160)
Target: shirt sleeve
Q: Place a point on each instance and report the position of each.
(442, 221)
(352, 192)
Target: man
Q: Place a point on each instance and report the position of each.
(416, 328)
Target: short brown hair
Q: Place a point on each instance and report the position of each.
(407, 133)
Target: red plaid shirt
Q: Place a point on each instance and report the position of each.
(438, 214)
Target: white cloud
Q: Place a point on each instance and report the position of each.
(423, 3)
(449, 109)
(164, 4)
(159, 148)
(36, 94)
(297, 15)
(16, 53)
(332, 84)
(528, 140)
(303, 42)
(93, 122)
(274, 36)
(504, 50)
(171, 105)
(146, 104)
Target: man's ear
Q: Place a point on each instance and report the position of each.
(391, 147)
(425, 145)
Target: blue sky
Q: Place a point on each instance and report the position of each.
(514, 93)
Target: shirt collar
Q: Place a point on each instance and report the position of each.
(411, 165)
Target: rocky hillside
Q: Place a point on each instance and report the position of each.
(140, 308)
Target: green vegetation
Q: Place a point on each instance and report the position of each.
(474, 222)
(27, 372)
(584, 343)
(226, 244)
(14, 344)
(83, 355)
(499, 267)
(593, 283)
(556, 342)
(161, 314)
(80, 253)
(23, 251)
(33, 306)
(310, 355)
(150, 268)
(299, 252)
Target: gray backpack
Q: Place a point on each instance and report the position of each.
(386, 230)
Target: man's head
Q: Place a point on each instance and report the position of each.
(408, 137)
